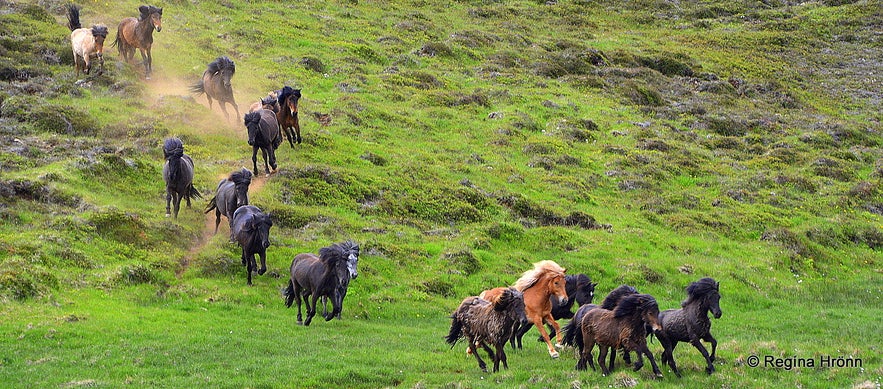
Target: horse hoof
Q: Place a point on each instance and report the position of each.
(168, 215)
(658, 375)
(554, 355)
(559, 345)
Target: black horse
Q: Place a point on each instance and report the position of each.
(691, 323)
(317, 276)
(251, 228)
(263, 134)
(352, 266)
(215, 83)
(232, 193)
(573, 333)
(287, 114)
(177, 172)
(580, 289)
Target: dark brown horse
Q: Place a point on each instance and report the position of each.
(85, 42)
(251, 229)
(623, 327)
(215, 83)
(691, 323)
(573, 332)
(263, 134)
(138, 34)
(484, 323)
(287, 114)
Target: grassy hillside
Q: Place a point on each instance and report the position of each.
(642, 142)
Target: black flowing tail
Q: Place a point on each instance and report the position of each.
(212, 204)
(572, 335)
(288, 293)
(73, 17)
(455, 333)
(198, 88)
(193, 193)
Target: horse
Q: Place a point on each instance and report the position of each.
(269, 103)
(287, 115)
(573, 332)
(251, 229)
(177, 172)
(484, 322)
(691, 323)
(623, 327)
(138, 33)
(85, 42)
(232, 193)
(263, 134)
(215, 83)
(344, 283)
(316, 276)
(580, 290)
(545, 280)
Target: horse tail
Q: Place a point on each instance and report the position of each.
(193, 193)
(288, 293)
(198, 88)
(212, 204)
(569, 331)
(456, 331)
(73, 17)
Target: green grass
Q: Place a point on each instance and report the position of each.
(461, 135)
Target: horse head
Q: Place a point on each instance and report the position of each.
(260, 224)
(152, 13)
(705, 292)
(241, 180)
(226, 68)
(352, 260)
(511, 301)
(580, 289)
(288, 97)
(558, 287)
(99, 33)
(253, 124)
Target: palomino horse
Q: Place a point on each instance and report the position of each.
(538, 285)
(138, 33)
(215, 83)
(85, 42)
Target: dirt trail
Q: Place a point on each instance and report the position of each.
(161, 86)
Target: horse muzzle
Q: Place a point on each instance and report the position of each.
(251, 142)
(562, 300)
(717, 314)
(158, 28)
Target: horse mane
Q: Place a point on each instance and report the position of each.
(507, 297)
(221, 64)
(173, 147)
(541, 268)
(617, 294)
(241, 176)
(146, 10)
(269, 100)
(287, 92)
(337, 252)
(699, 289)
(252, 118)
(635, 302)
(99, 30)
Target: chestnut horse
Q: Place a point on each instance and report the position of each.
(85, 42)
(138, 33)
(538, 285)
(287, 114)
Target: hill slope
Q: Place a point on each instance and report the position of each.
(649, 143)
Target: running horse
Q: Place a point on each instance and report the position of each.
(85, 42)
(287, 114)
(138, 33)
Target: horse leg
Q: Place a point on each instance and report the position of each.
(177, 200)
(710, 338)
(612, 358)
(289, 134)
(342, 295)
(521, 331)
(501, 354)
(249, 265)
(297, 129)
(585, 354)
(640, 362)
(272, 153)
(168, 202)
(474, 352)
(266, 164)
(254, 158)
(552, 352)
(698, 344)
(217, 219)
(263, 269)
(642, 349)
(224, 110)
(187, 192)
(297, 298)
(311, 308)
(602, 356)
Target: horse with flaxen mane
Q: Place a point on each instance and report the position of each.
(137, 33)
(85, 42)
(177, 173)
(623, 327)
(215, 83)
(691, 323)
(539, 284)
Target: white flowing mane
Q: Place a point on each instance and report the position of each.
(530, 277)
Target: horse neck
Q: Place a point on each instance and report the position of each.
(144, 29)
(698, 310)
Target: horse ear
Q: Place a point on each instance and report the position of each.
(143, 9)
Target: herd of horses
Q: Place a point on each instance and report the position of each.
(624, 320)
(543, 295)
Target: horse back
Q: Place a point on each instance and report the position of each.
(224, 196)
(270, 127)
